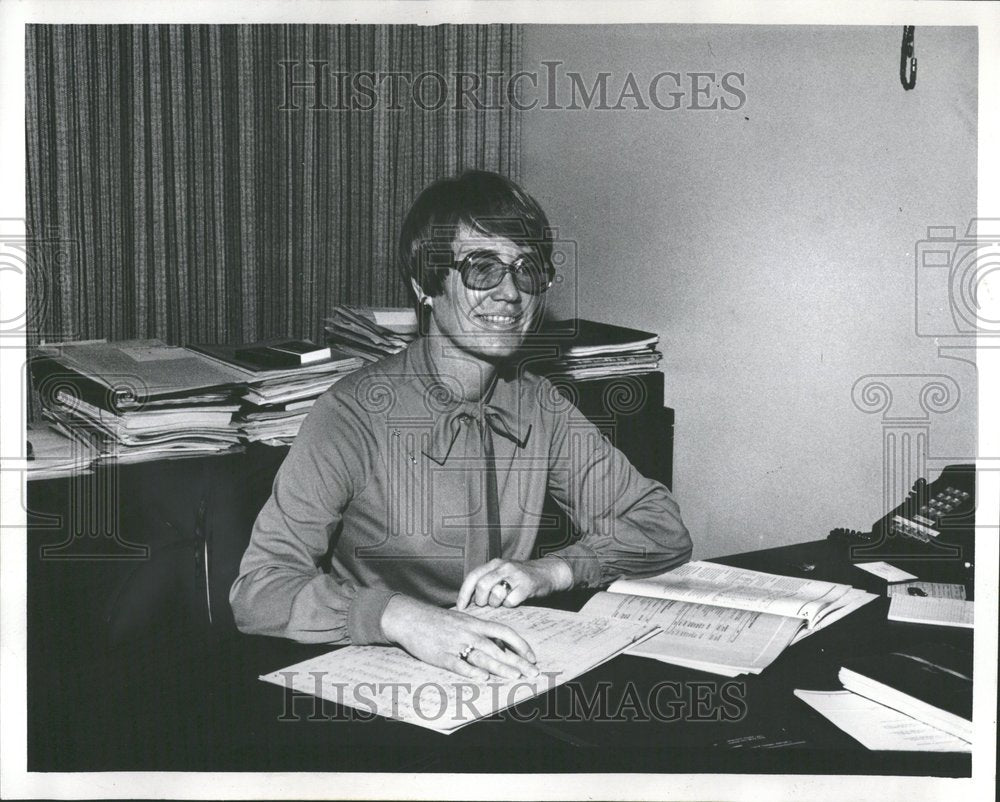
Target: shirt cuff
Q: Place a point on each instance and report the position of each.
(583, 562)
(364, 617)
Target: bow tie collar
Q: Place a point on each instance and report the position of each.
(452, 412)
(448, 426)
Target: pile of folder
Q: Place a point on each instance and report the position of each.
(275, 399)
(137, 400)
(371, 332)
(51, 454)
(585, 349)
(143, 399)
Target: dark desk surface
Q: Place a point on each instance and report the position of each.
(180, 702)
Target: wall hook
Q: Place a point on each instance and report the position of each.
(907, 61)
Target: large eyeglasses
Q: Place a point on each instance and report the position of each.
(484, 270)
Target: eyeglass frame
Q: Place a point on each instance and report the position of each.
(463, 266)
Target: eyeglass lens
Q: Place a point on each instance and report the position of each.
(486, 271)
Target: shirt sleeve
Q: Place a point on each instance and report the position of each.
(629, 525)
(281, 589)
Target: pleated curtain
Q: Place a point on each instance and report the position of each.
(196, 209)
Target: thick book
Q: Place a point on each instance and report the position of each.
(725, 620)
(931, 682)
(268, 364)
(285, 353)
(387, 681)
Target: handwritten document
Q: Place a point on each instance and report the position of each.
(387, 681)
(722, 640)
(880, 727)
(721, 585)
(931, 610)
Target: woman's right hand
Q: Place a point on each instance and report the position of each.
(438, 636)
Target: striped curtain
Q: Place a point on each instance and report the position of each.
(197, 209)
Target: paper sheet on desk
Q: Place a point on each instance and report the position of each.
(890, 573)
(880, 727)
(388, 681)
(931, 610)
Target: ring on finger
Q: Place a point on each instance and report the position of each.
(505, 584)
(466, 651)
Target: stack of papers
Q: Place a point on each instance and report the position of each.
(275, 400)
(52, 454)
(585, 349)
(143, 399)
(725, 620)
(880, 727)
(919, 697)
(371, 333)
(137, 400)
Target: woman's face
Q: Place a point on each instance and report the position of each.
(488, 324)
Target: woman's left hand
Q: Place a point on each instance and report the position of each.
(507, 583)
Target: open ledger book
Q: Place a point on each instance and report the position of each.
(387, 681)
(728, 621)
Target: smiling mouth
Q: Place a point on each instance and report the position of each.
(499, 321)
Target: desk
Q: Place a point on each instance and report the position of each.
(183, 702)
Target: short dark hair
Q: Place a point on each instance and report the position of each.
(486, 202)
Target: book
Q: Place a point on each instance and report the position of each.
(725, 620)
(268, 365)
(937, 610)
(285, 353)
(388, 681)
(931, 682)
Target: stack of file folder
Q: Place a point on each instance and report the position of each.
(276, 399)
(52, 454)
(586, 349)
(143, 399)
(137, 400)
(371, 332)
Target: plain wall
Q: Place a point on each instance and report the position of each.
(771, 248)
